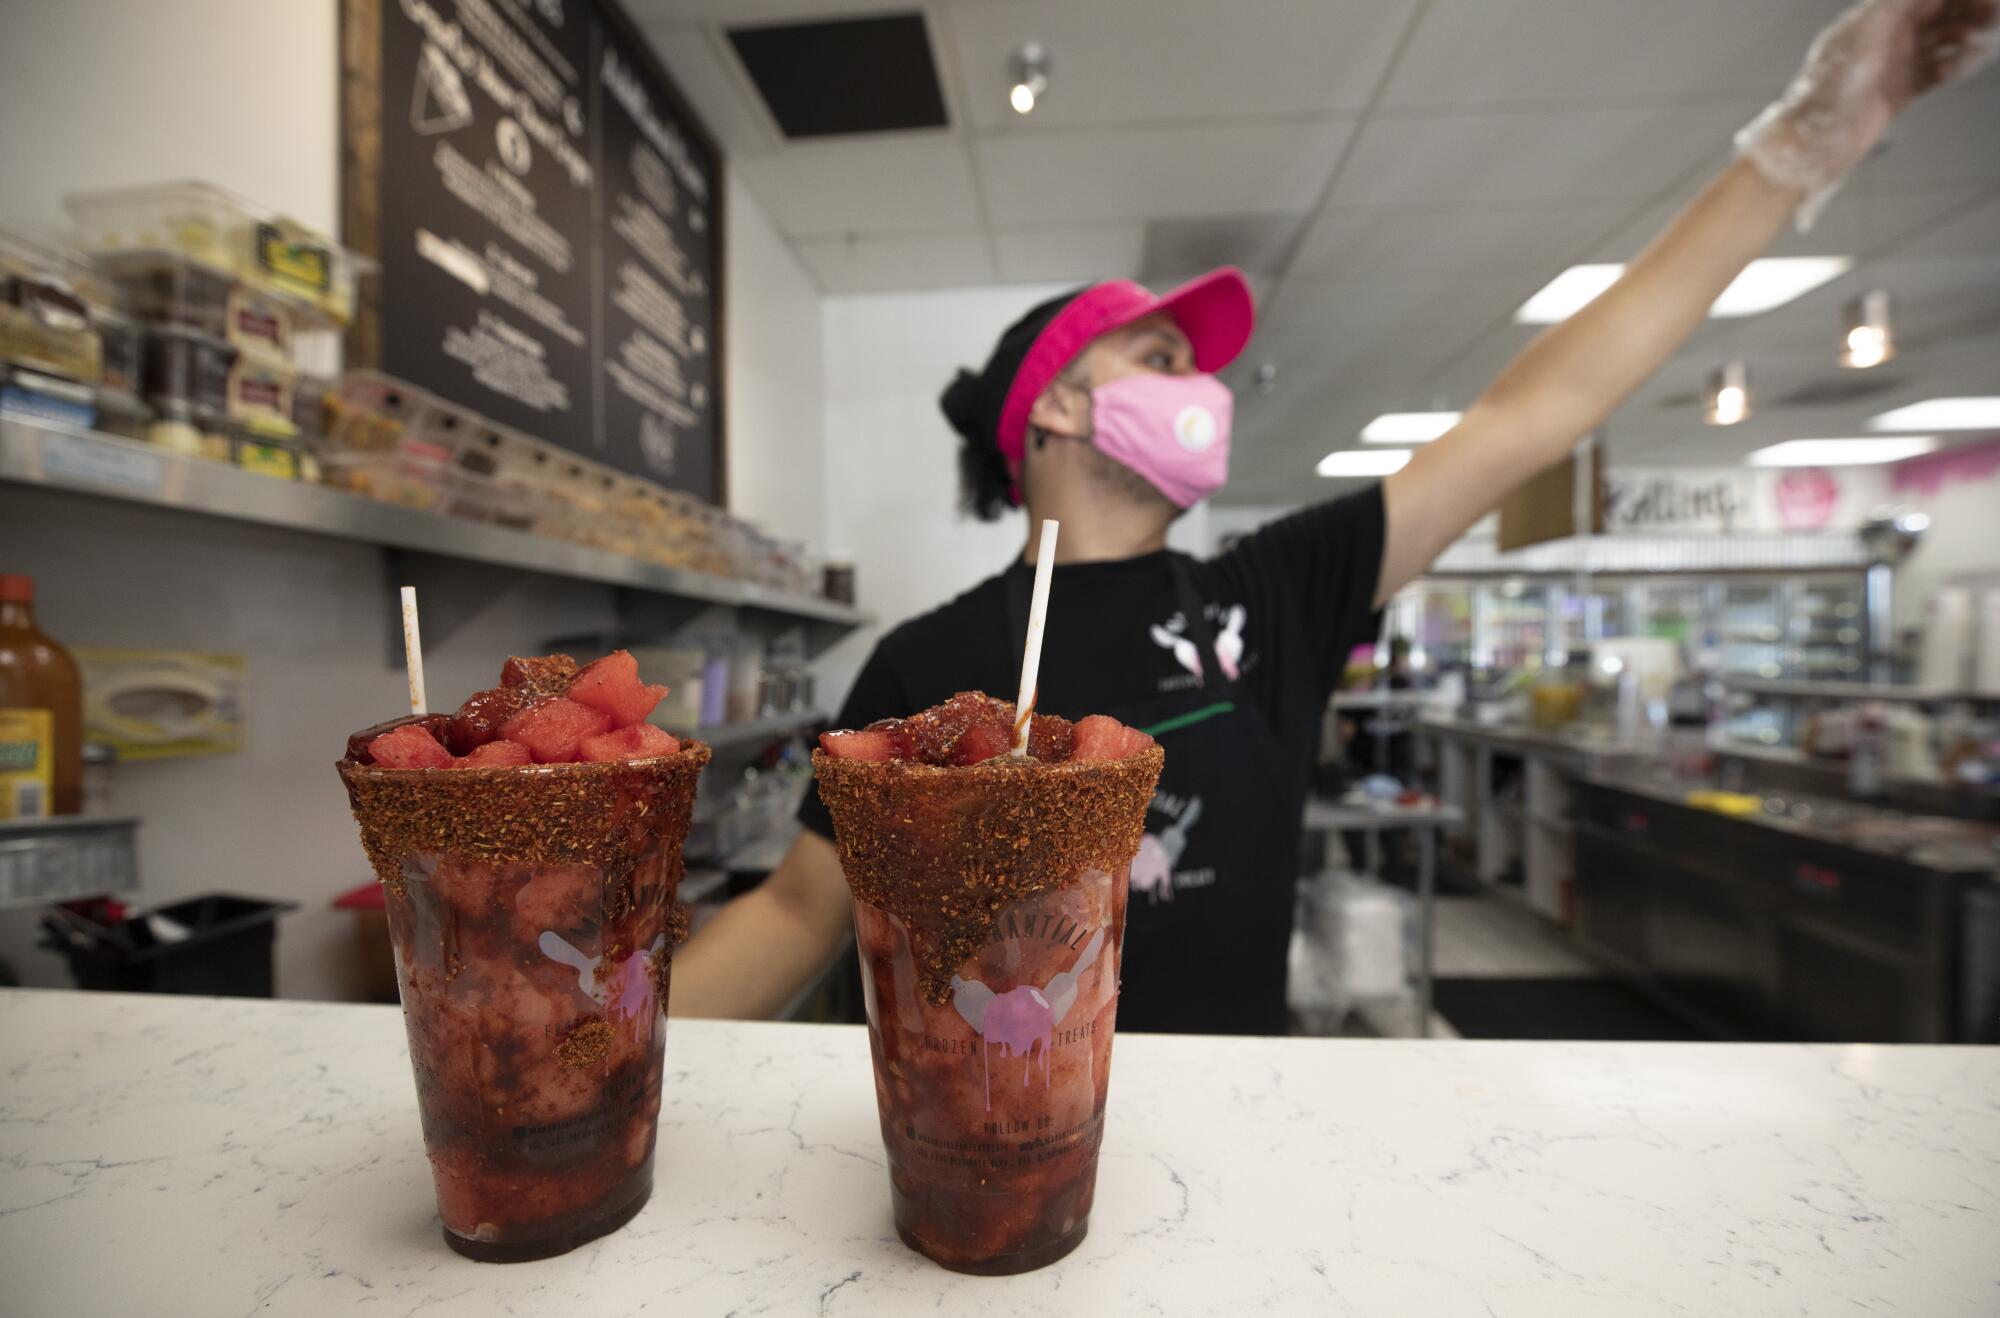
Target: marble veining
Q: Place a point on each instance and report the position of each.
(204, 1157)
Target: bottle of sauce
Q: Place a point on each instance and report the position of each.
(41, 713)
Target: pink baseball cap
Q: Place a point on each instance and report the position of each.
(1215, 311)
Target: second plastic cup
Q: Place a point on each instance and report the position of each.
(991, 988)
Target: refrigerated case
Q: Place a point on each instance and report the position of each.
(1809, 625)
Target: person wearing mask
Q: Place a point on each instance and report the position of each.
(1100, 408)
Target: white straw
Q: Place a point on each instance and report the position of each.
(1031, 652)
(413, 651)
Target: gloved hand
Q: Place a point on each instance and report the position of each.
(1860, 73)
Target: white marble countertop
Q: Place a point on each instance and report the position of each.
(166, 1156)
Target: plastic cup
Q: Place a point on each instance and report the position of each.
(533, 916)
(990, 916)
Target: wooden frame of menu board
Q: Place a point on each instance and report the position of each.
(547, 214)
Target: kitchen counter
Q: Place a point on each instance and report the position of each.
(197, 1156)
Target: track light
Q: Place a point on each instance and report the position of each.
(1030, 67)
(1728, 395)
(1869, 337)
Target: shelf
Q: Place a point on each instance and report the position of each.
(748, 732)
(53, 860)
(80, 462)
(1856, 690)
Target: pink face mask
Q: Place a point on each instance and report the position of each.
(1171, 429)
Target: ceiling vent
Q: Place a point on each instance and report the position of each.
(1841, 392)
(872, 74)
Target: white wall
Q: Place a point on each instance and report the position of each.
(104, 93)
(97, 93)
(775, 379)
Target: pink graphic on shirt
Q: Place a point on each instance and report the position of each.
(1229, 641)
(1184, 651)
(1023, 1016)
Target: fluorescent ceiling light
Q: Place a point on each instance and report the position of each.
(1841, 452)
(1408, 427)
(1942, 414)
(1363, 462)
(1764, 284)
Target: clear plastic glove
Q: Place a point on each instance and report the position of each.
(1860, 73)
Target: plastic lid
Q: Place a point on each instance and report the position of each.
(16, 589)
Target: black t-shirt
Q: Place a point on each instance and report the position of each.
(1287, 604)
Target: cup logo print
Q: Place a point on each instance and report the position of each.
(1023, 1016)
(1153, 867)
(625, 990)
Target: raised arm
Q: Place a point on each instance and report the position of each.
(765, 946)
(1863, 70)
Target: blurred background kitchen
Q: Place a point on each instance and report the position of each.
(1699, 738)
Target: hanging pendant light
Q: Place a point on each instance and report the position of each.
(1728, 395)
(1869, 336)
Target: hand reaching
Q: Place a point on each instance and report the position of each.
(1860, 73)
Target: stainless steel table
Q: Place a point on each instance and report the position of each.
(1375, 817)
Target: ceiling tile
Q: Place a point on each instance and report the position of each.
(905, 184)
(1501, 52)
(1150, 173)
(1448, 245)
(898, 263)
(1975, 231)
(1181, 249)
(1176, 59)
(1070, 251)
(712, 81)
(1546, 158)
(1944, 141)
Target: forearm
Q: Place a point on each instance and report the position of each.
(1571, 377)
(1574, 374)
(755, 955)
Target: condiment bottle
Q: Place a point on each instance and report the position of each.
(41, 713)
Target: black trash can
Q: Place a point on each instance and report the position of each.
(227, 952)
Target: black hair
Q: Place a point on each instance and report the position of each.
(972, 403)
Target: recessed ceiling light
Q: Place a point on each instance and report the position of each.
(1841, 452)
(1408, 427)
(1942, 414)
(1764, 284)
(1363, 462)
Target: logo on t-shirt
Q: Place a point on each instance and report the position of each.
(1172, 636)
(1153, 867)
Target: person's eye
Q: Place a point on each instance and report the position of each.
(1160, 361)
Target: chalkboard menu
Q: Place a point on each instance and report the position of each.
(546, 212)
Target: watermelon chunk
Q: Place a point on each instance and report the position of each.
(612, 684)
(867, 744)
(1051, 738)
(548, 672)
(1102, 738)
(553, 730)
(641, 741)
(409, 747)
(966, 729)
(496, 752)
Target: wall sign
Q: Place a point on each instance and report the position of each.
(547, 213)
(1726, 500)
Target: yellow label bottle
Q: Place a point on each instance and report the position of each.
(27, 763)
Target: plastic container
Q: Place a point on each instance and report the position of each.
(44, 398)
(259, 396)
(122, 356)
(226, 951)
(122, 415)
(266, 455)
(187, 368)
(179, 428)
(227, 233)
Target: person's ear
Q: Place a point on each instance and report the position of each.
(1061, 409)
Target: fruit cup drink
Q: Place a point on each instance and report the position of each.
(530, 884)
(990, 913)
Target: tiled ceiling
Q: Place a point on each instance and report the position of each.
(1397, 174)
